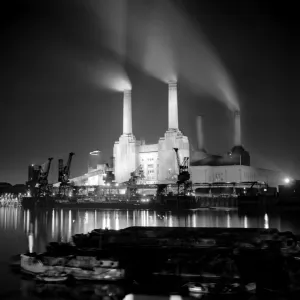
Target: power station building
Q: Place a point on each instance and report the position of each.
(158, 162)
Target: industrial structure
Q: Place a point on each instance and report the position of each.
(64, 175)
(141, 163)
(37, 183)
(158, 161)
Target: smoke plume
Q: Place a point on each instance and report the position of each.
(166, 45)
(110, 18)
(161, 40)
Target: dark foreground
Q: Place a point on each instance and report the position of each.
(60, 225)
(219, 262)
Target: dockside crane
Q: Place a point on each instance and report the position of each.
(64, 174)
(183, 179)
(44, 189)
(38, 179)
(136, 177)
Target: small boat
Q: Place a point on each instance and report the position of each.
(96, 274)
(213, 288)
(251, 287)
(196, 288)
(30, 263)
(50, 276)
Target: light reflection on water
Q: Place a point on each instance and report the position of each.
(21, 230)
(61, 224)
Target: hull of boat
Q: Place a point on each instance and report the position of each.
(50, 279)
(32, 265)
(80, 268)
(97, 274)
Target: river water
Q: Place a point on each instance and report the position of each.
(23, 229)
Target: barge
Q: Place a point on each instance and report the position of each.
(220, 259)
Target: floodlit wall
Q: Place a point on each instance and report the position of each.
(148, 159)
(236, 173)
(167, 162)
(158, 161)
(126, 157)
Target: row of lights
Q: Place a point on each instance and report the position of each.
(108, 184)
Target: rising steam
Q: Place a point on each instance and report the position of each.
(163, 42)
(110, 17)
(166, 45)
(110, 75)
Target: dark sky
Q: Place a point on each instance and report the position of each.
(50, 106)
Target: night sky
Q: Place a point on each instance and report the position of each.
(56, 97)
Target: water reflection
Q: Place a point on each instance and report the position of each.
(42, 227)
(266, 221)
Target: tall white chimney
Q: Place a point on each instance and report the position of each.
(127, 115)
(173, 105)
(199, 130)
(237, 128)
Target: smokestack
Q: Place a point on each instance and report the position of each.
(127, 116)
(173, 106)
(237, 128)
(200, 136)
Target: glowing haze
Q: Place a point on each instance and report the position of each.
(160, 39)
(167, 46)
(109, 74)
(110, 17)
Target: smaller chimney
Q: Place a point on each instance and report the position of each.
(112, 162)
(127, 115)
(173, 105)
(237, 128)
(200, 135)
(143, 141)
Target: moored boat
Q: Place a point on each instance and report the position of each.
(31, 263)
(52, 276)
(56, 269)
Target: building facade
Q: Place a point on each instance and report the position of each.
(158, 161)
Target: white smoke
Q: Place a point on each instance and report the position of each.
(167, 45)
(162, 41)
(110, 17)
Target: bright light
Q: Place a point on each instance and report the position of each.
(108, 184)
(287, 180)
(266, 221)
(129, 297)
(30, 243)
(175, 297)
(117, 184)
(96, 152)
(265, 190)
